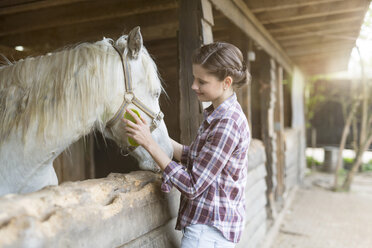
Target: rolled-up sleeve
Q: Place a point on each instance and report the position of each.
(172, 168)
(185, 154)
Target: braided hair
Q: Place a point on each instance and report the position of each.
(223, 59)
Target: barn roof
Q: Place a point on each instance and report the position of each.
(316, 35)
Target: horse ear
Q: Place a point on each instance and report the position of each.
(135, 42)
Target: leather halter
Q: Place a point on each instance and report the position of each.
(130, 98)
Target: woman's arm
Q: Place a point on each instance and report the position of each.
(158, 154)
(177, 149)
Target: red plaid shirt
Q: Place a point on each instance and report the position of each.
(213, 172)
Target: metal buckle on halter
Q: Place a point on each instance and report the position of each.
(128, 96)
(157, 120)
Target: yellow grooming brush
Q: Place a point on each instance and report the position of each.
(129, 117)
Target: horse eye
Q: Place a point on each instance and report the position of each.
(157, 95)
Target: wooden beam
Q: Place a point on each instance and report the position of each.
(30, 5)
(308, 41)
(325, 68)
(84, 12)
(312, 25)
(330, 27)
(207, 21)
(258, 6)
(9, 3)
(238, 12)
(322, 47)
(340, 64)
(327, 33)
(315, 20)
(44, 43)
(161, 27)
(320, 10)
(325, 49)
(317, 58)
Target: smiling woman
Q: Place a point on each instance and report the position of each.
(213, 171)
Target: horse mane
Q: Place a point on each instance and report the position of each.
(58, 89)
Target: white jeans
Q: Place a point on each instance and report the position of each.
(204, 236)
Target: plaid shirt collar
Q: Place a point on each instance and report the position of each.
(210, 113)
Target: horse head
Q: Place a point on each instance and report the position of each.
(142, 89)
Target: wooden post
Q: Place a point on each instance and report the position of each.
(267, 79)
(207, 21)
(279, 129)
(195, 29)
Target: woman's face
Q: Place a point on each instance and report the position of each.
(207, 87)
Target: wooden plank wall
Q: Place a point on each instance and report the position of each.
(76, 162)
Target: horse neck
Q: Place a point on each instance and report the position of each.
(105, 98)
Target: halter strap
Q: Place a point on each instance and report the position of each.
(130, 98)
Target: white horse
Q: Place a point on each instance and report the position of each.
(48, 102)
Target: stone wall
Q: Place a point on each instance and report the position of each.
(121, 210)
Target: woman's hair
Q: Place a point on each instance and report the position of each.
(222, 59)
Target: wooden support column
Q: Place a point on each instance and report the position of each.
(267, 79)
(279, 130)
(195, 29)
(207, 21)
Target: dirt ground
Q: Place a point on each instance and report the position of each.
(321, 218)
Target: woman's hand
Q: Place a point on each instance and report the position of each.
(138, 131)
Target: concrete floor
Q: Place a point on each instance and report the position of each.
(321, 218)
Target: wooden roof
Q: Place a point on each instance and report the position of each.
(317, 35)
(43, 26)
